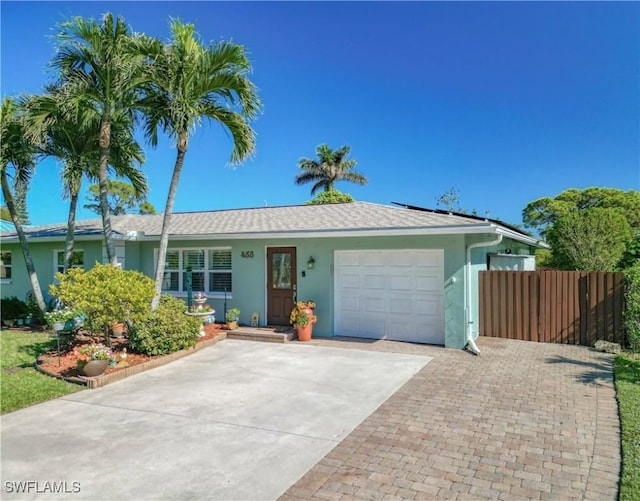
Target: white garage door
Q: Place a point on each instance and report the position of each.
(390, 294)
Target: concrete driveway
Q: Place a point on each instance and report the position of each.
(237, 420)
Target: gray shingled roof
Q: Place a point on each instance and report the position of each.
(262, 221)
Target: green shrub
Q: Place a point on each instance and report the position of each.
(105, 294)
(330, 197)
(165, 330)
(632, 308)
(37, 316)
(13, 308)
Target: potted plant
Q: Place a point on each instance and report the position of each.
(302, 317)
(58, 319)
(232, 317)
(118, 329)
(93, 359)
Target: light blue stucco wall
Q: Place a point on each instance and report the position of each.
(249, 274)
(44, 262)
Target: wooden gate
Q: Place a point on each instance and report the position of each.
(552, 306)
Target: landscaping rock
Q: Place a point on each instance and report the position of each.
(607, 347)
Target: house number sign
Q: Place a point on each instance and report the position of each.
(247, 254)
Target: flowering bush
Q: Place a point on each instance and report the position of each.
(61, 315)
(299, 315)
(92, 352)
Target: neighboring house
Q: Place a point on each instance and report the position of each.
(375, 271)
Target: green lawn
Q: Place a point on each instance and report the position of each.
(627, 377)
(20, 384)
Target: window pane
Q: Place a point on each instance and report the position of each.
(193, 259)
(5, 264)
(170, 281)
(78, 259)
(197, 281)
(220, 259)
(60, 258)
(219, 282)
(281, 266)
(172, 260)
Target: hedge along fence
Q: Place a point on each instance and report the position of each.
(632, 305)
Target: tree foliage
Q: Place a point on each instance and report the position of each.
(75, 143)
(330, 167)
(17, 161)
(553, 218)
(330, 197)
(632, 302)
(193, 83)
(541, 214)
(122, 198)
(102, 69)
(589, 240)
(450, 200)
(106, 294)
(4, 213)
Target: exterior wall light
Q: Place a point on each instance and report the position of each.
(311, 263)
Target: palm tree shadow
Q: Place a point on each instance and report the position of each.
(595, 373)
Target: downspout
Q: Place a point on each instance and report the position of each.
(469, 307)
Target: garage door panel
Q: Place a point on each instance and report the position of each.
(374, 281)
(351, 304)
(351, 280)
(368, 258)
(374, 305)
(399, 306)
(431, 308)
(400, 261)
(392, 294)
(400, 283)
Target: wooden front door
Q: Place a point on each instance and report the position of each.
(281, 284)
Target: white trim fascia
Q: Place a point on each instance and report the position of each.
(81, 238)
(469, 229)
(514, 235)
(427, 230)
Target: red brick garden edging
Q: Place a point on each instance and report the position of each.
(98, 381)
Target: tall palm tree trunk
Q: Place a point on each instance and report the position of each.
(71, 226)
(105, 141)
(28, 260)
(166, 220)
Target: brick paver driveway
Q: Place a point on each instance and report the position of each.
(521, 421)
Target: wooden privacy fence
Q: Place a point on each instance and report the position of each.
(552, 306)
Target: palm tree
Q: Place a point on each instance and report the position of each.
(18, 153)
(102, 69)
(193, 83)
(330, 167)
(76, 146)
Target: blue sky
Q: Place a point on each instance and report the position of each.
(505, 101)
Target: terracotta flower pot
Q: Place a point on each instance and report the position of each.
(117, 329)
(304, 332)
(93, 368)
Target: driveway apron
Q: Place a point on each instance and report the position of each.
(237, 420)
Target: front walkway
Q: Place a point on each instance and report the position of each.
(521, 421)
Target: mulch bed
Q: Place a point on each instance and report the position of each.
(66, 365)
